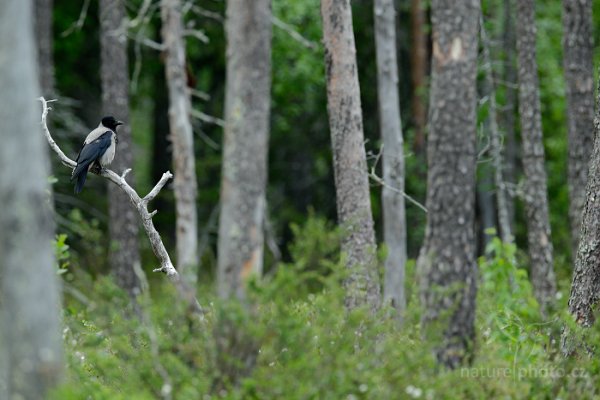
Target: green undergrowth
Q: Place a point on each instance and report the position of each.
(294, 339)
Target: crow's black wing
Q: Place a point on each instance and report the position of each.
(91, 152)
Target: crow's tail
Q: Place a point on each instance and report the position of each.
(80, 181)
(80, 174)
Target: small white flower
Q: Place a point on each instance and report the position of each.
(413, 391)
(363, 388)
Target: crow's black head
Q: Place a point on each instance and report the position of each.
(111, 123)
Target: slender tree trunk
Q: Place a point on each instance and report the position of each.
(244, 173)
(486, 205)
(184, 161)
(579, 78)
(447, 264)
(585, 290)
(30, 328)
(114, 73)
(349, 158)
(394, 219)
(43, 34)
(418, 70)
(508, 120)
(502, 196)
(536, 196)
(485, 200)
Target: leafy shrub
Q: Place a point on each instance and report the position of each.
(295, 340)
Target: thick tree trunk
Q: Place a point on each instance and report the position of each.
(508, 119)
(30, 328)
(447, 262)
(123, 225)
(244, 172)
(536, 196)
(585, 290)
(394, 219)
(184, 161)
(43, 33)
(418, 70)
(349, 158)
(579, 78)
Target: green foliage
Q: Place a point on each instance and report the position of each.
(295, 340)
(513, 309)
(61, 253)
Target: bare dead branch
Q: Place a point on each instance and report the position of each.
(377, 179)
(203, 12)
(158, 187)
(77, 25)
(287, 28)
(208, 118)
(141, 205)
(63, 158)
(200, 94)
(198, 34)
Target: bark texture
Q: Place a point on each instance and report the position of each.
(349, 158)
(30, 328)
(447, 265)
(585, 290)
(536, 194)
(44, 35)
(123, 226)
(182, 136)
(394, 218)
(244, 171)
(579, 79)
(418, 70)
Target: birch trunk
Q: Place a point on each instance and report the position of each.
(579, 79)
(536, 196)
(447, 264)
(30, 328)
(349, 158)
(394, 219)
(244, 171)
(182, 135)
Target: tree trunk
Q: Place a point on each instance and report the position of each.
(536, 197)
(394, 219)
(349, 158)
(30, 328)
(43, 33)
(184, 161)
(447, 260)
(123, 225)
(244, 171)
(418, 70)
(579, 79)
(510, 151)
(585, 290)
(486, 205)
(503, 203)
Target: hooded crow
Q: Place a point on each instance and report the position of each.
(98, 150)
